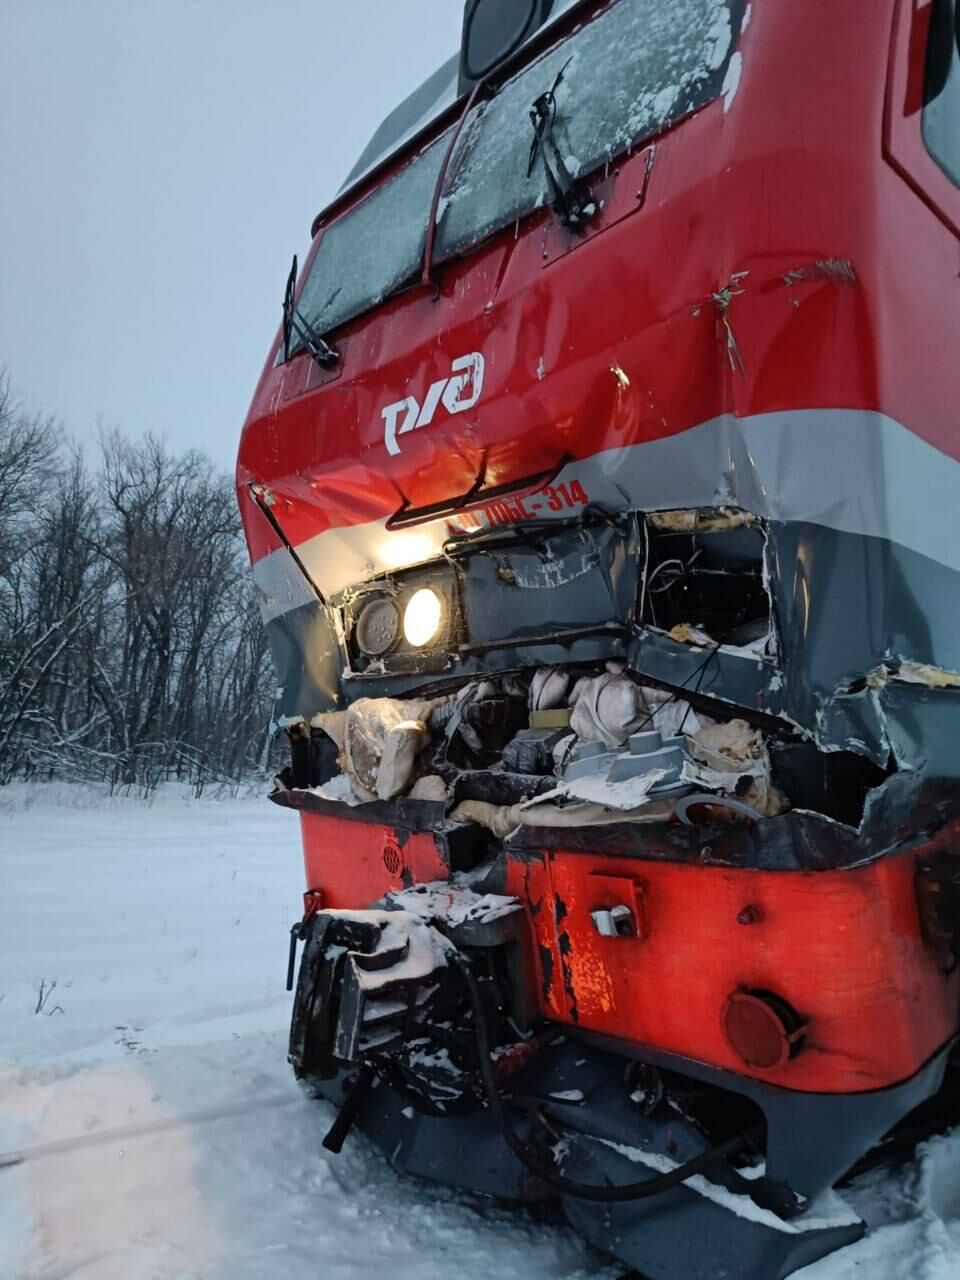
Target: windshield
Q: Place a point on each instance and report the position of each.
(375, 248)
(627, 73)
(622, 77)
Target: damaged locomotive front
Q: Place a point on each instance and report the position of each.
(653, 903)
(618, 668)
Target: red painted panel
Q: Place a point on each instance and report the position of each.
(804, 168)
(844, 948)
(353, 863)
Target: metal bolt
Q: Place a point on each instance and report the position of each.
(750, 915)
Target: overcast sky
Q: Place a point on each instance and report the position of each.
(160, 161)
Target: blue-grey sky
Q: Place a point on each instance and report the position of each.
(160, 161)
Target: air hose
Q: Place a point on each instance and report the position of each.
(566, 1186)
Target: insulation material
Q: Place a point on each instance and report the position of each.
(608, 709)
(733, 758)
(932, 677)
(431, 787)
(499, 819)
(401, 746)
(698, 520)
(379, 741)
(686, 633)
(503, 820)
(671, 715)
(733, 743)
(549, 688)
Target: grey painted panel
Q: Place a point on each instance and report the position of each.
(576, 578)
(281, 586)
(307, 659)
(883, 482)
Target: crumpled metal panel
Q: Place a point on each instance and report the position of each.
(307, 659)
(850, 610)
(573, 579)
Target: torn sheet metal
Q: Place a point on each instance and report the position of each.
(886, 687)
(542, 585)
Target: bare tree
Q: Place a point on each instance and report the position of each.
(131, 648)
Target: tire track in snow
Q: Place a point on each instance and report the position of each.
(128, 1133)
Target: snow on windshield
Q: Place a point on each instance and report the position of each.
(376, 247)
(622, 77)
(635, 67)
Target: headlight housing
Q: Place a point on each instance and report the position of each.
(402, 624)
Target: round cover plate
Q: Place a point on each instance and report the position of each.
(378, 626)
(758, 1029)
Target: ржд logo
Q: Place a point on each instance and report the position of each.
(457, 394)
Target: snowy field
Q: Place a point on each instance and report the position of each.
(147, 1090)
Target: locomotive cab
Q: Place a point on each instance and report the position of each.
(601, 493)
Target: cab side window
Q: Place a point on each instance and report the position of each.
(941, 99)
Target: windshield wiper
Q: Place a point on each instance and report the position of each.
(295, 322)
(572, 201)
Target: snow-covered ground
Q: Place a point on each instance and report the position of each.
(164, 1137)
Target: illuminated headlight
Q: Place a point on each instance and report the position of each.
(422, 618)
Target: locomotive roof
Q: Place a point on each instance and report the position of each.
(426, 104)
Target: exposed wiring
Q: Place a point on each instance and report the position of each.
(666, 564)
(685, 566)
(646, 569)
(698, 673)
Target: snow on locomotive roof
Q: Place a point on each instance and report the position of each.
(437, 93)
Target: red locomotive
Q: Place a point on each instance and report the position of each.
(600, 492)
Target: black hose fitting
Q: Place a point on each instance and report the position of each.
(652, 1186)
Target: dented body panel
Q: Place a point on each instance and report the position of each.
(846, 944)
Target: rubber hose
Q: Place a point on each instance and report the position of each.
(581, 1190)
